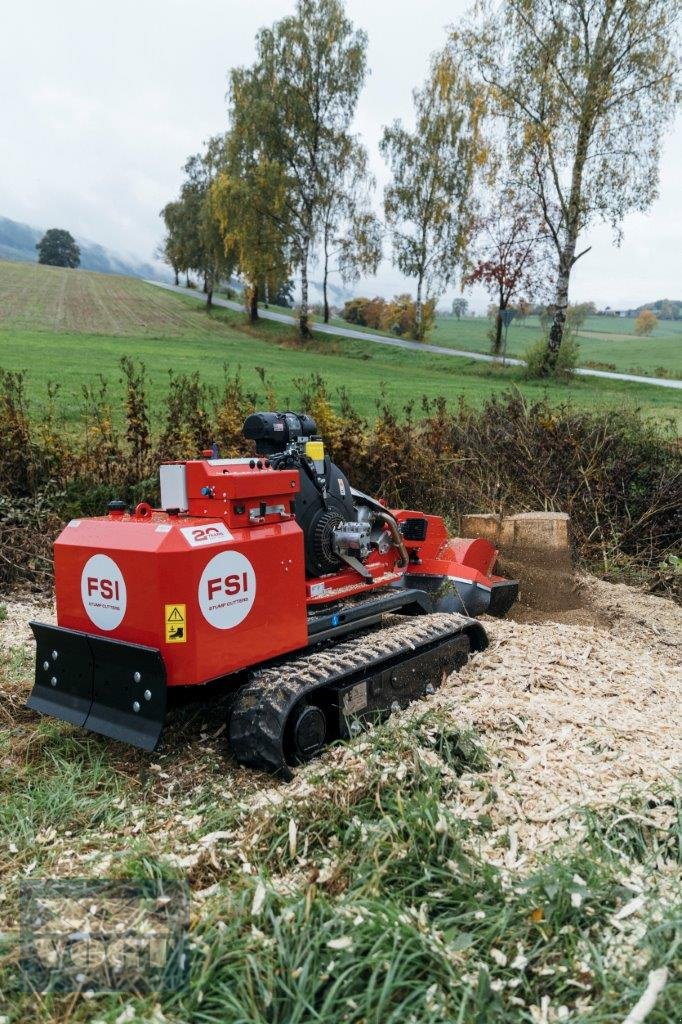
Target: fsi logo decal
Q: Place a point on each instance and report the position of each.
(227, 590)
(199, 536)
(103, 592)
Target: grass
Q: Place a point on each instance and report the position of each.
(360, 896)
(605, 342)
(35, 298)
(68, 327)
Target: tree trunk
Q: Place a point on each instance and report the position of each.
(567, 253)
(556, 331)
(253, 304)
(419, 312)
(304, 328)
(208, 288)
(324, 286)
(205, 283)
(187, 279)
(497, 341)
(266, 295)
(177, 276)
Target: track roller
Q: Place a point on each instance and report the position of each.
(287, 712)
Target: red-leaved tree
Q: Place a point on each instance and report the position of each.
(508, 256)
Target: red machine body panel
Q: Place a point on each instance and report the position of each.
(220, 584)
(238, 595)
(469, 560)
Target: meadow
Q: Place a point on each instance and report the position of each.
(67, 329)
(606, 343)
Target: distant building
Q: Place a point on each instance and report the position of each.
(622, 313)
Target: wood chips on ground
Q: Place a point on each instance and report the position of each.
(571, 714)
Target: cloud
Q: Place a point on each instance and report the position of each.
(103, 103)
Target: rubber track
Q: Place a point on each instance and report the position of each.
(263, 705)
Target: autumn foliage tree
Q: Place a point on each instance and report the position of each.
(509, 255)
(207, 252)
(584, 90)
(427, 203)
(171, 250)
(292, 111)
(399, 316)
(249, 201)
(350, 231)
(193, 239)
(645, 323)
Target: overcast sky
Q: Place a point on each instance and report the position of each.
(101, 103)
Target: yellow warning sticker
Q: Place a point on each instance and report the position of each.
(176, 623)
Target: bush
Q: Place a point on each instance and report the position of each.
(567, 360)
(645, 323)
(397, 316)
(365, 312)
(616, 474)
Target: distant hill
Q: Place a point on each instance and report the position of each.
(665, 309)
(18, 242)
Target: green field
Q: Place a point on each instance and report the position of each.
(69, 327)
(606, 342)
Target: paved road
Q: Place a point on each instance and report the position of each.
(418, 346)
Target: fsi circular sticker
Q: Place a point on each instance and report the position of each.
(227, 590)
(103, 592)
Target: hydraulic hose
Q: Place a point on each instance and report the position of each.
(397, 536)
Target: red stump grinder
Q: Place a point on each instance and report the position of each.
(272, 577)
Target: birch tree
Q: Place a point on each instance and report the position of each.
(204, 248)
(171, 247)
(350, 231)
(249, 203)
(585, 89)
(427, 205)
(294, 106)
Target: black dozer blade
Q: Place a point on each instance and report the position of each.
(365, 677)
(112, 688)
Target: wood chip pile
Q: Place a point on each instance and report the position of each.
(572, 715)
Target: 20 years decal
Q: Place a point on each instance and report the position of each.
(211, 533)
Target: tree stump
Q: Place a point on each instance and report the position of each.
(534, 549)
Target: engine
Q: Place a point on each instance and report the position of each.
(339, 524)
